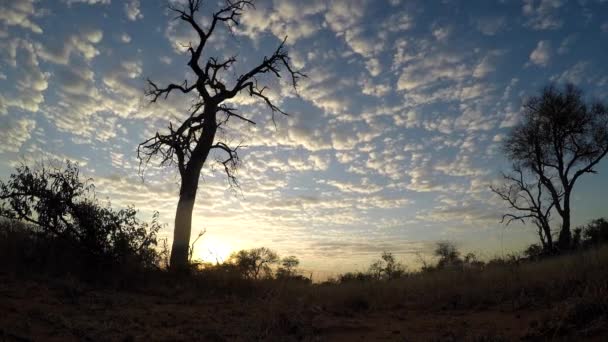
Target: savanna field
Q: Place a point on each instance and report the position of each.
(561, 298)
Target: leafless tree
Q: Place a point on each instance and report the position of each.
(529, 203)
(188, 144)
(560, 139)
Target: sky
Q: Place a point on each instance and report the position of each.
(391, 142)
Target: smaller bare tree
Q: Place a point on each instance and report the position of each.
(528, 202)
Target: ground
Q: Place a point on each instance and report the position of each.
(65, 310)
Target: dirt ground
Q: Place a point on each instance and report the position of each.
(64, 311)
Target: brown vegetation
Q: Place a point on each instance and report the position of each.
(564, 296)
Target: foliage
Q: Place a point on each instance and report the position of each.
(448, 254)
(387, 267)
(593, 234)
(58, 204)
(561, 138)
(534, 251)
(288, 267)
(254, 263)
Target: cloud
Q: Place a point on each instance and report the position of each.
(294, 19)
(14, 132)
(88, 2)
(567, 43)
(20, 13)
(484, 68)
(430, 69)
(468, 213)
(490, 26)
(82, 43)
(132, 9)
(30, 82)
(125, 38)
(541, 55)
(543, 14)
(575, 74)
(441, 33)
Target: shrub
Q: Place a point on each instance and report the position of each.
(595, 233)
(62, 212)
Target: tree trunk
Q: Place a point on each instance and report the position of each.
(549, 239)
(187, 194)
(183, 220)
(565, 236)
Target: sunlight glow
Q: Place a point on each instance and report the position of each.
(212, 249)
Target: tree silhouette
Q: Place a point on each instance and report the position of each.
(529, 201)
(387, 267)
(188, 144)
(560, 139)
(255, 262)
(447, 253)
(288, 267)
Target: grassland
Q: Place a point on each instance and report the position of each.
(559, 298)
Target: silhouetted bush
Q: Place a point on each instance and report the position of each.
(534, 251)
(355, 276)
(595, 233)
(53, 216)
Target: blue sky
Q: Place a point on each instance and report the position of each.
(391, 143)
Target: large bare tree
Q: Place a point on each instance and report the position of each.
(560, 138)
(188, 144)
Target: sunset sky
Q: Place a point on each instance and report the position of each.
(391, 142)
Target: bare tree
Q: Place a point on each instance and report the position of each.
(528, 202)
(188, 144)
(560, 139)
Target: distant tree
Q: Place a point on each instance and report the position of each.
(255, 263)
(188, 144)
(59, 204)
(288, 267)
(559, 139)
(387, 267)
(448, 254)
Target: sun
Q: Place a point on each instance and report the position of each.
(212, 249)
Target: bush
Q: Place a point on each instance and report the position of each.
(55, 212)
(595, 233)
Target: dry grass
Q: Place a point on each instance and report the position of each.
(561, 296)
(518, 285)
